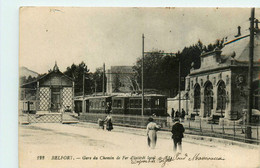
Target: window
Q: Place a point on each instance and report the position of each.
(197, 97)
(221, 96)
(131, 103)
(157, 102)
(119, 103)
(147, 103)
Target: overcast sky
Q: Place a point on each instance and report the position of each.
(114, 35)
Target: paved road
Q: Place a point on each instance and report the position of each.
(75, 146)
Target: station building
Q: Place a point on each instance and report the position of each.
(54, 92)
(219, 88)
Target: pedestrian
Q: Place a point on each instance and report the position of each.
(177, 114)
(108, 108)
(183, 113)
(173, 113)
(177, 135)
(168, 120)
(108, 120)
(152, 129)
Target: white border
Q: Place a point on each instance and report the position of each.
(9, 46)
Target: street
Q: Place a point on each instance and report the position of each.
(85, 145)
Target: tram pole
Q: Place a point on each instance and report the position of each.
(83, 92)
(142, 74)
(179, 88)
(250, 75)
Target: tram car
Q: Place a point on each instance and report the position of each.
(127, 105)
(98, 104)
(132, 105)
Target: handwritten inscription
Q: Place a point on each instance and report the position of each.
(138, 160)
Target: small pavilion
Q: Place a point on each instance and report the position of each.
(54, 92)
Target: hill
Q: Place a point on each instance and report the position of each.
(24, 71)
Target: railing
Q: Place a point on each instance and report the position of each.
(231, 130)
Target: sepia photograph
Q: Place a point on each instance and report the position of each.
(139, 87)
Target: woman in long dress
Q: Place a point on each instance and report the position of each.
(109, 125)
(152, 129)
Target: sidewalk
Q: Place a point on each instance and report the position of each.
(202, 140)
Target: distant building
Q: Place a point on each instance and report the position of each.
(121, 79)
(173, 103)
(54, 92)
(220, 86)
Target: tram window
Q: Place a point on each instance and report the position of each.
(119, 103)
(114, 103)
(103, 103)
(147, 102)
(132, 104)
(157, 102)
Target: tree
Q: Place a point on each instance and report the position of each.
(97, 80)
(76, 72)
(161, 71)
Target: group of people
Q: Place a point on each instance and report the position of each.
(177, 114)
(177, 133)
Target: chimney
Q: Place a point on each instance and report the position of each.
(238, 31)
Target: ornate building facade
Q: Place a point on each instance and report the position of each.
(219, 87)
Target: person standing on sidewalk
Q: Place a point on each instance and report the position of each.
(177, 135)
(152, 129)
(173, 113)
(109, 125)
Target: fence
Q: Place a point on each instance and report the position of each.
(231, 130)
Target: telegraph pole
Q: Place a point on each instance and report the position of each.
(83, 92)
(143, 75)
(104, 72)
(250, 75)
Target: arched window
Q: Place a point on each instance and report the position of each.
(256, 95)
(221, 100)
(197, 97)
(208, 99)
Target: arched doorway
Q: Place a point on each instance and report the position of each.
(221, 98)
(208, 99)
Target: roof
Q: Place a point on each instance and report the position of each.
(183, 96)
(240, 46)
(55, 70)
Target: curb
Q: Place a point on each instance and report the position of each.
(187, 137)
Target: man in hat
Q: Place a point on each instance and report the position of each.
(177, 134)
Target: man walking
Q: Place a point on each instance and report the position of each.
(177, 134)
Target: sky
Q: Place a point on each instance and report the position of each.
(114, 35)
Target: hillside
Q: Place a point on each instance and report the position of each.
(24, 71)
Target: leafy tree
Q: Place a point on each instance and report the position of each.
(97, 80)
(161, 71)
(76, 72)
